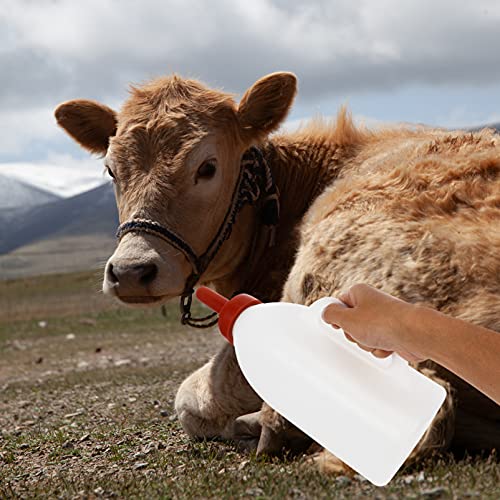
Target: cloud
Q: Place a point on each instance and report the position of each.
(51, 51)
(96, 47)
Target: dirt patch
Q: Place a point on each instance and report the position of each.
(86, 411)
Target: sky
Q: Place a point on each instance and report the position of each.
(422, 61)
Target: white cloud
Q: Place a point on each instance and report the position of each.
(334, 46)
(18, 127)
(51, 51)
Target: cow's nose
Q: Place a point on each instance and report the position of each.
(131, 275)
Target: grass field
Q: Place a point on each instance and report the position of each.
(86, 411)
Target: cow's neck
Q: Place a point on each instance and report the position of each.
(302, 168)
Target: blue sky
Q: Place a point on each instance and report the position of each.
(434, 62)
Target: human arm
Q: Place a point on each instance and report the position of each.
(383, 324)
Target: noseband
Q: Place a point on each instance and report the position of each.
(255, 186)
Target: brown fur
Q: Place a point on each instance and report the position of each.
(413, 211)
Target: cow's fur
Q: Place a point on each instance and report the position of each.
(412, 211)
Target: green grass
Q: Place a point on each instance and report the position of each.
(92, 415)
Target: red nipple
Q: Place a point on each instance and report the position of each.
(228, 310)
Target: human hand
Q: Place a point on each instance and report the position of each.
(377, 322)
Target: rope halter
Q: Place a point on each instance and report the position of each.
(255, 186)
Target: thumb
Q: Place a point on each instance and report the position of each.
(335, 314)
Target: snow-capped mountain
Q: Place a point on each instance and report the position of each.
(89, 213)
(63, 178)
(15, 194)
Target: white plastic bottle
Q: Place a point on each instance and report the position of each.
(367, 411)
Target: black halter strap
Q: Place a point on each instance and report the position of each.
(255, 186)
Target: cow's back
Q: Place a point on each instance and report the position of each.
(417, 216)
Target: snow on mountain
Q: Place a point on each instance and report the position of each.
(90, 213)
(15, 194)
(63, 175)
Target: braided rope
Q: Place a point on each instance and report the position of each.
(255, 183)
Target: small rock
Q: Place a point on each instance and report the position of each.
(343, 480)
(77, 413)
(39, 360)
(296, 493)
(408, 479)
(360, 478)
(254, 492)
(221, 471)
(172, 417)
(132, 399)
(99, 491)
(122, 362)
(98, 349)
(420, 477)
(82, 364)
(434, 492)
(42, 324)
(164, 413)
(88, 321)
(243, 464)
(70, 336)
(140, 465)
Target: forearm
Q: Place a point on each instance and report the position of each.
(471, 352)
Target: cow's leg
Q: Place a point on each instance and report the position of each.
(210, 400)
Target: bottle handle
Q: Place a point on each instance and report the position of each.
(338, 336)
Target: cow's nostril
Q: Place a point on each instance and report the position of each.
(111, 276)
(148, 273)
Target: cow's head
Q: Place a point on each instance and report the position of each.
(174, 153)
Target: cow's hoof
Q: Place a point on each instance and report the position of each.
(328, 463)
(246, 431)
(285, 441)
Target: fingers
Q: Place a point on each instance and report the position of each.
(346, 298)
(334, 314)
(378, 353)
(381, 353)
(349, 338)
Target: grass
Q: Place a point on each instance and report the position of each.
(86, 410)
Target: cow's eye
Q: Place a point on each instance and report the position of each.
(110, 173)
(206, 170)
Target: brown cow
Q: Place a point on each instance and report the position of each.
(413, 211)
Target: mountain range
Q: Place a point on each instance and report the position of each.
(63, 234)
(16, 196)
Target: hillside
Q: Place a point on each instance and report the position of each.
(15, 195)
(90, 213)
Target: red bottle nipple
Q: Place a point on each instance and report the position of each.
(228, 310)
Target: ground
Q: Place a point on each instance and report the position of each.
(86, 411)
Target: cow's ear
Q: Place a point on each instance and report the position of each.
(89, 123)
(266, 103)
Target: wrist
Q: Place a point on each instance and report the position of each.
(416, 330)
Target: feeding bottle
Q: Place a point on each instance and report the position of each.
(369, 412)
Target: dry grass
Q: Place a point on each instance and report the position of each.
(86, 410)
